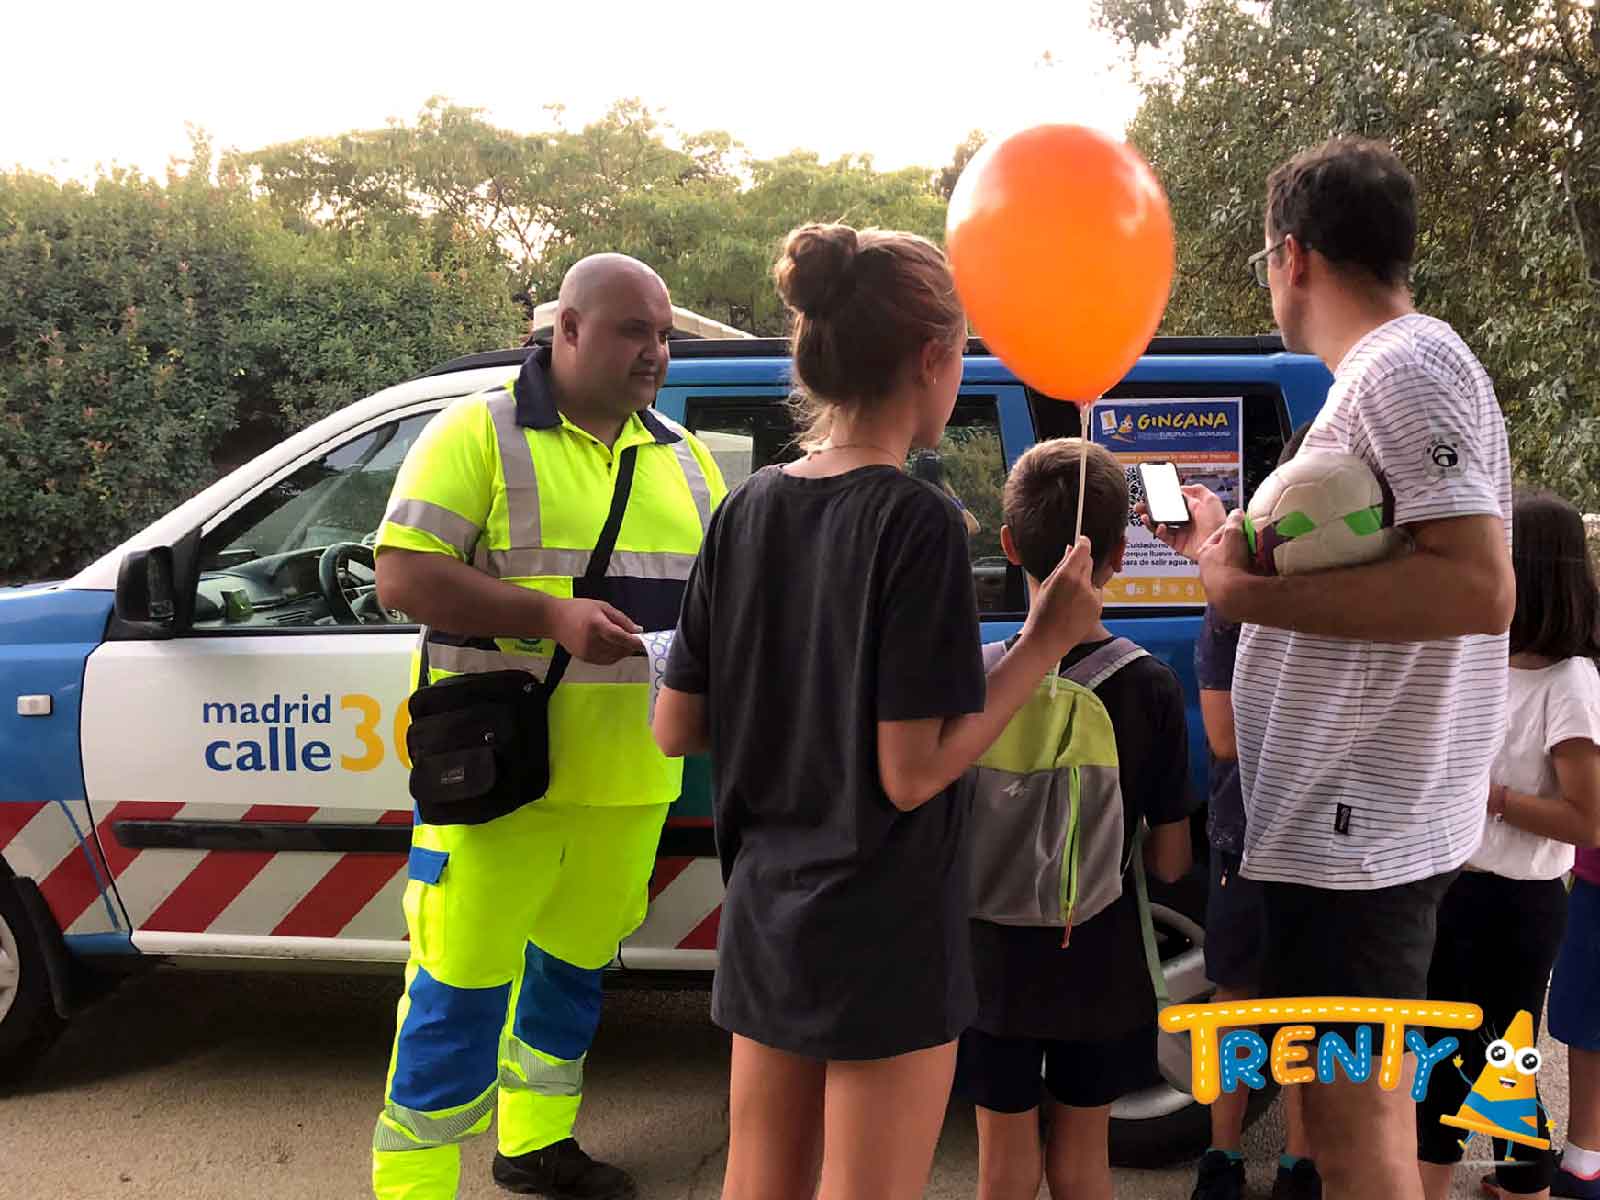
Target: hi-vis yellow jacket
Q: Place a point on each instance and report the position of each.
(502, 480)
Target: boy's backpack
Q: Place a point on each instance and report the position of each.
(1046, 826)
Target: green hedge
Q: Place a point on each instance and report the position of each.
(152, 334)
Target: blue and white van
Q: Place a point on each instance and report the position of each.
(202, 733)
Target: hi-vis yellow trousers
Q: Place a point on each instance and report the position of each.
(511, 923)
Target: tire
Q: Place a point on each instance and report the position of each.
(1161, 1125)
(29, 1023)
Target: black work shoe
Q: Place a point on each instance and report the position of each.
(562, 1172)
(1220, 1178)
(1299, 1182)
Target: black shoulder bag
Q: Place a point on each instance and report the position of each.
(480, 743)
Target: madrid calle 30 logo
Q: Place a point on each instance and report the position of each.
(1502, 1102)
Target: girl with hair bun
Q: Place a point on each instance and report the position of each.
(828, 658)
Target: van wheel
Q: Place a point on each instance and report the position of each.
(29, 1023)
(1161, 1124)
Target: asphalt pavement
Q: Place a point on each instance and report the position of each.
(227, 1086)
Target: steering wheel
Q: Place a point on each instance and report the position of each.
(344, 591)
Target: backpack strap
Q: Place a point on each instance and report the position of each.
(1152, 956)
(1091, 672)
(1178, 1078)
(1094, 669)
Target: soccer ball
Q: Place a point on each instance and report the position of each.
(1321, 509)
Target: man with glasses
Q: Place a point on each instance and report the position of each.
(1260, 262)
(1368, 702)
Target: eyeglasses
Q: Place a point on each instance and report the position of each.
(1257, 262)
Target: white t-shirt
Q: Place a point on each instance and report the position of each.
(1366, 764)
(1544, 708)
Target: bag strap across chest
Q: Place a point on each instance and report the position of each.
(599, 561)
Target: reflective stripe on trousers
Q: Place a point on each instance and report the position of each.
(521, 1066)
(402, 1128)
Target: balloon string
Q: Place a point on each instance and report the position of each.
(1083, 473)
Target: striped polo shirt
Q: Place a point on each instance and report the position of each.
(1366, 764)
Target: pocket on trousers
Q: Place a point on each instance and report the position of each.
(423, 903)
(426, 866)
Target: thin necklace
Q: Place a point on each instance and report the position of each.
(889, 454)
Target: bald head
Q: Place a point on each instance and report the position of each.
(613, 319)
(589, 278)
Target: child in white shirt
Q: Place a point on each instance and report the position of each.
(1500, 925)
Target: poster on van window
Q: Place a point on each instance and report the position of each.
(1204, 439)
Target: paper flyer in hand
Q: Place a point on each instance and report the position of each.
(656, 647)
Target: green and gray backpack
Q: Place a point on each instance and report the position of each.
(1046, 823)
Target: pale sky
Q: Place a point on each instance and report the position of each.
(82, 82)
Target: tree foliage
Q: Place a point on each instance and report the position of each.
(976, 471)
(151, 333)
(694, 205)
(945, 184)
(155, 332)
(1495, 106)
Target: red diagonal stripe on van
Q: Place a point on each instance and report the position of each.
(218, 878)
(116, 855)
(72, 886)
(704, 935)
(345, 890)
(14, 816)
(339, 895)
(666, 870)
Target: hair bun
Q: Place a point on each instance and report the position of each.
(817, 270)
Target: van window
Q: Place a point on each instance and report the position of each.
(263, 567)
(970, 467)
(746, 433)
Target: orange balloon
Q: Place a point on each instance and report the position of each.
(1060, 239)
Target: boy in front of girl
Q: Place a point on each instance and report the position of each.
(1084, 1012)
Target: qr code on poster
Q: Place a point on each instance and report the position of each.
(1135, 494)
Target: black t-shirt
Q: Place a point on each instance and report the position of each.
(819, 607)
(1098, 986)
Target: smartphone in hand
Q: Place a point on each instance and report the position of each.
(1163, 494)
